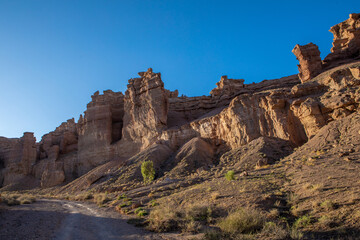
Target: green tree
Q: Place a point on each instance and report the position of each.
(230, 175)
(148, 171)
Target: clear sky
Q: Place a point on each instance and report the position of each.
(55, 54)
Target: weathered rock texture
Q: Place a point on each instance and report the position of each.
(182, 135)
(100, 127)
(227, 86)
(17, 156)
(309, 59)
(346, 42)
(146, 107)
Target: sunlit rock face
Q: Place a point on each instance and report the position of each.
(146, 108)
(346, 43)
(310, 64)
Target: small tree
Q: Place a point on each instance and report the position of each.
(148, 171)
(230, 175)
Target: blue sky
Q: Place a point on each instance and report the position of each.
(55, 54)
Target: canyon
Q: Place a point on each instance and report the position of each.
(184, 136)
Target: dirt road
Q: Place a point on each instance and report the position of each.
(65, 220)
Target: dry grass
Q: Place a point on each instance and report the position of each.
(328, 205)
(242, 221)
(17, 199)
(163, 219)
(101, 198)
(214, 196)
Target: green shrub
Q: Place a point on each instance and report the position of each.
(123, 205)
(153, 203)
(140, 212)
(122, 196)
(242, 221)
(302, 222)
(230, 175)
(328, 205)
(148, 171)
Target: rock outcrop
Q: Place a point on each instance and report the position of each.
(310, 64)
(346, 43)
(227, 86)
(100, 127)
(146, 107)
(17, 157)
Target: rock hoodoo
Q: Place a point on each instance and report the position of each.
(310, 63)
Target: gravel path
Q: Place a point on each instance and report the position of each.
(60, 220)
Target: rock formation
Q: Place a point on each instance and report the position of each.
(309, 58)
(227, 86)
(17, 156)
(182, 134)
(346, 42)
(100, 127)
(146, 107)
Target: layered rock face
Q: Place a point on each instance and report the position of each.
(61, 141)
(100, 127)
(17, 157)
(146, 107)
(346, 42)
(309, 59)
(227, 86)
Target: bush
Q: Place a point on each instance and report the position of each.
(148, 171)
(242, 221)
(199, 213)
(274, 231)
(230, 175)
(328, 205)
(163, 219)
(101, 199)
(302, 222)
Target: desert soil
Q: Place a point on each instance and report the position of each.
(60, 220)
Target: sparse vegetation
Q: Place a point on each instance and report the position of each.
(164, 218)
(17, 199)
(302, 222)
(328, 205)
(242, 221)
(101, 198)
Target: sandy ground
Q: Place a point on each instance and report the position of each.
(60, 220)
